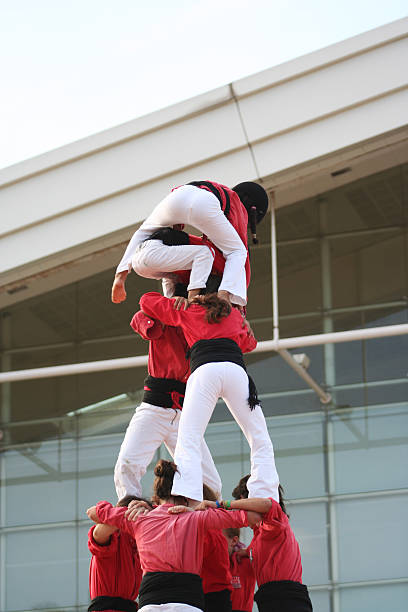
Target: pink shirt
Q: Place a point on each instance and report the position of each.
(275, 551)
(194, 324)
(171, 542)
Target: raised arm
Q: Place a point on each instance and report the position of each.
(221, 519)
(255, 504)
(106, 514)
(161, 308)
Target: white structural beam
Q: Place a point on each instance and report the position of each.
(263, 347)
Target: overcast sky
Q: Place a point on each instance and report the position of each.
(70, 68)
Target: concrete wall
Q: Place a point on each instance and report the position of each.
(87, 197)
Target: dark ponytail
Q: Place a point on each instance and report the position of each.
(163, 483)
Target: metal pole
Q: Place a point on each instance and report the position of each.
(263, 347)
(274, 265)
(325, 398)
(330, 377)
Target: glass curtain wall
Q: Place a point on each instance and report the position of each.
(343, 264)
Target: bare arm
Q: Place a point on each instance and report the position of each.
(255, 504)
(102, 534)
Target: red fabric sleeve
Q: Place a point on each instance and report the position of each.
(114, 516)
(146, 327)
(221, 519)
(275, 518)
(161, 308)
(249, 343)
(102, 550)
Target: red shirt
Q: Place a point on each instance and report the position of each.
(167, 348)
(170, 542)
(194, 324)
(216, 574)
(115, 568)
(243, 583)
(275, 551)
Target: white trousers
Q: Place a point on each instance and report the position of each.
(201, 209)
(153, 259)
(148, 428)
(169, 607)
(205, 385)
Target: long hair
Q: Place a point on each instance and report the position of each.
(216, 309)
(163, 483)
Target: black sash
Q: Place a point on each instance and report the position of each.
(221, 349)
(170, 236)
(160, 390)
(218, 601)
(171, 587)
(283, 596)
(112, 603)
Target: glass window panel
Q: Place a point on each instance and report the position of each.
(97, 458)
(299, 278)
(294, 326)
(44, 474)
(230, 452)
(291, 402)
(298, 444)
(395, 349)
(375, 598)
(84, 558)
(299, 220)
(371, 449)
(321, 601)
(372, 535)
(271, 373)
(47, 561)
(309, 524)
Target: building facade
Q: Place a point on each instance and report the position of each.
(327, 136)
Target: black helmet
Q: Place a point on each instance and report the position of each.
(255, 199)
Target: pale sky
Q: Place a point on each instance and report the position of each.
(70, 68)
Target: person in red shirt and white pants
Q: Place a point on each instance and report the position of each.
(156, 420)
(214, 209)
(218, 370)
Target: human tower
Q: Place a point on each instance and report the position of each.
(180, 550)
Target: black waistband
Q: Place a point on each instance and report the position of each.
(112, 603)
(165, 384)
(159, 392)
(221, 349)
(171, 587)
(217, 349)
(283, 596)
(218, 601)
(170, 236)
